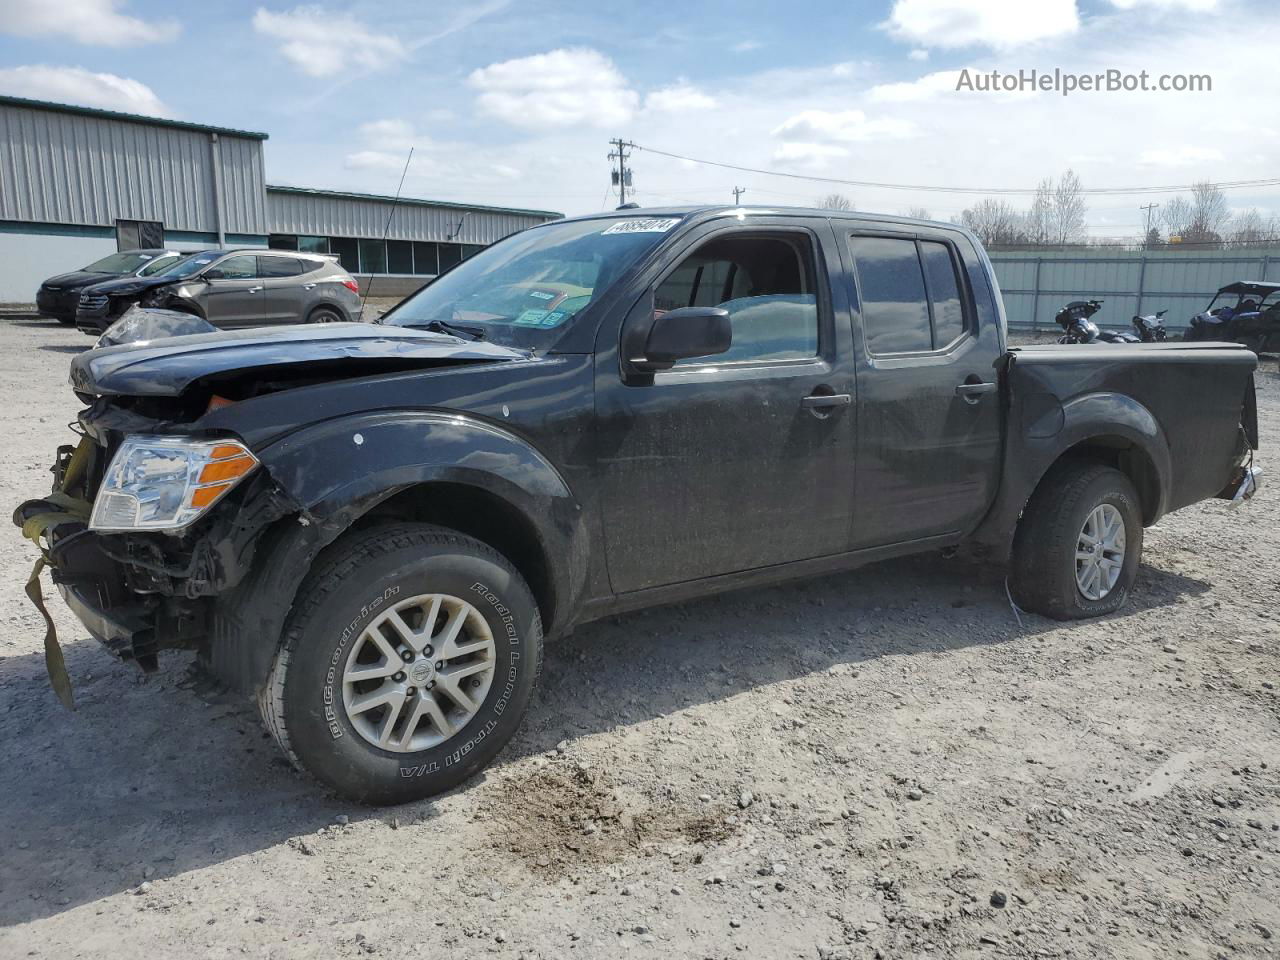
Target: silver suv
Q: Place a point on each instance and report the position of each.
(232, 288)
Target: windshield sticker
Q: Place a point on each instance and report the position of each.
(539, 318)
(541, 295)
(642, 225)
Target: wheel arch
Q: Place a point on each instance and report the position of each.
(445, 469)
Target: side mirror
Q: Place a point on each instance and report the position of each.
(213, 273)
(685, 333)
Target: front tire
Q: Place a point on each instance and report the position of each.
(406, 665)
(1079, 543)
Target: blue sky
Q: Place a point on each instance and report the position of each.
(512, 103)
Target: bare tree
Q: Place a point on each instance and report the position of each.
(1040, 222)
(1176, 215)
(1202, 219)
(835, 201)
(1249, 227)
(995, 222)
(918, 213)
(1068, 209)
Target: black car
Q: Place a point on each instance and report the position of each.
(59, 296)
(369, 528)
(100, 304)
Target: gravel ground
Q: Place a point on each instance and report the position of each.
(881, 763)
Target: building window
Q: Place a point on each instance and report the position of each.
(426, 262)
(313, 244)
(373, 256)
(471, 249)
(450, 255)
(348, 251)
(139, 234)
(280, 241)
(399, 256)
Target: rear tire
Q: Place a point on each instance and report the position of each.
(325, 315)
(384, 582)
(1066, 564)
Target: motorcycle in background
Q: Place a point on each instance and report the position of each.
(1078, 328)
(1151, 329)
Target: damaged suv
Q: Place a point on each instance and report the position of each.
(370, 529)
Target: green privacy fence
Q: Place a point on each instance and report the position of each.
(1036, 285)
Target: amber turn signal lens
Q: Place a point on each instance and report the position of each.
(228, 469)
(203, 496)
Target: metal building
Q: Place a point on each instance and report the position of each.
(77, 184)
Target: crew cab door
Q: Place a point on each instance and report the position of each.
(929, 443)
(744, 459)
(235, 294)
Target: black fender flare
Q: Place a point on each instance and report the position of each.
(336, 471)
(1050, 430)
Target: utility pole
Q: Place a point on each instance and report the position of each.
(738, 192)
(622, 176)
(1149, 207)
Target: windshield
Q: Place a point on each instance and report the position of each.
(191, 265)
(519, 291)
(160, 263)
(119, 263)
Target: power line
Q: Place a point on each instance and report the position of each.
(1020, 191)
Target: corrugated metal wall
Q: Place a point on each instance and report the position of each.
(1035, 286)
(91, 171)
(324, 215)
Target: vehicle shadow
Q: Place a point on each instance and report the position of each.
(60, 348)
(145, 776)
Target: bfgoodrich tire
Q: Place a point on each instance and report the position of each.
(406, 665)
(1079, 543)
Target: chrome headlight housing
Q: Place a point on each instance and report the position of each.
(164, 483)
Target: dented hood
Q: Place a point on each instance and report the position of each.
(165, 367)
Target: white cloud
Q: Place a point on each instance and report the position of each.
(1185, 156)
(843, 126)
(562, 88)
(1001, 24)
(811, 155)
(746, 46)
(321, 43)
(919, 54)
(79, 86)
(1196, 5)
(678, 99)
(392, 134)
(94, 22)
(375, 160)
(925, 88)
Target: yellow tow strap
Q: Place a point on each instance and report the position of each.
(69, 509)
(59, 679)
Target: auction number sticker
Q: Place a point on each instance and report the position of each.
(643, 225)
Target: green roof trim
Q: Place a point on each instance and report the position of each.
(127, 117)
(348, 195)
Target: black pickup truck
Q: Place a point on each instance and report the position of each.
(371, 528)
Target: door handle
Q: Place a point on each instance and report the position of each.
(818, 401)
(308, 286)
(973, 391)
(253, 290)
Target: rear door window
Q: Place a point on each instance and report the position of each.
(910, 295)
(895, 314)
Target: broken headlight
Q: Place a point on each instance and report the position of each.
(164, 483)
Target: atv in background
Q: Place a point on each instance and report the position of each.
(1253, 319)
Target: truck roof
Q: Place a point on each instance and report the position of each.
(708, 211)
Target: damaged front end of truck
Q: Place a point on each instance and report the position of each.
(160, 512)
